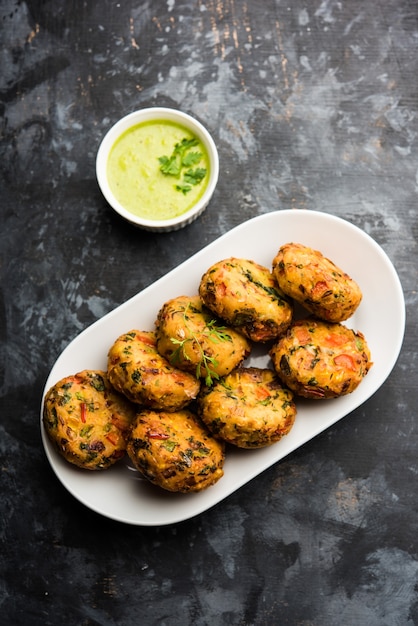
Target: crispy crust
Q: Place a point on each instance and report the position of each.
(87, 420)
(136, 369)
(318, 359)
(175, 451)
(315, 282)
(190, 338)
(246, 295)
(248, 408)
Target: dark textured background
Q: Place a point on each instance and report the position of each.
(312, 105)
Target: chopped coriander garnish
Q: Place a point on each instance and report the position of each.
(180, 159)
(184, 188)
(207, 364)
(191, 159)
(170, 165)
(193, 177)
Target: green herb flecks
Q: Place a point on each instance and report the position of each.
(169, 445)
(179, 164)
(359, 343)
(85, 431)
(271, 291)
(97, 382)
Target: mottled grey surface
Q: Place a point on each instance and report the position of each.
(312, 105)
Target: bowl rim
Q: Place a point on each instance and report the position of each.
(145, 115)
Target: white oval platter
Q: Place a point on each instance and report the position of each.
(119, 493)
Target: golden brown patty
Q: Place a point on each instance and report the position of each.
(319, 359)
(175, 451)
(248, 408)
(136, 369)
(87, 420)
(191, 338)
(247, 297)
(315, 282)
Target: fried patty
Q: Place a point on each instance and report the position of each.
(87, 421)
(175, 451)
(191, 338)
(315, 282)
(248, 408)
(246, 295)
(136, 369)
(318, 359)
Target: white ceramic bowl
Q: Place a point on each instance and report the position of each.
(148, 115)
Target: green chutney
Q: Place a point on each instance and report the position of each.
(135, 176)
